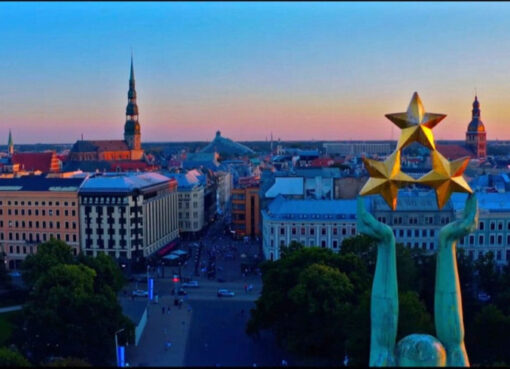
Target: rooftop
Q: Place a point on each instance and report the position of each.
(123, 182)
(40, 183)
(282, 208)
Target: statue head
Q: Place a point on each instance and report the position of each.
(420, 350)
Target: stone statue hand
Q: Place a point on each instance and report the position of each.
(461, 227)
(368, 225)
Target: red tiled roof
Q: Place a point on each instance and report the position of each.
(31, 161)
(322, 162)
(452, 152)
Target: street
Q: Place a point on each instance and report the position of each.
(207, 329)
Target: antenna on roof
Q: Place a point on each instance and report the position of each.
(82, 136)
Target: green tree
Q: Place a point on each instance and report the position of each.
(63, 306)
(107, 271)
(321, 311)
(307, 298)
(48, 254)
(489, 339)
(11, 358)
(413, 316)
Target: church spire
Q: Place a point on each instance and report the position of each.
(132, 126)
(10, 144)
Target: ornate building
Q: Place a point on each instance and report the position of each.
(110, 150)
(476, 138)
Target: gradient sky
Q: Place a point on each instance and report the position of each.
(301, 70)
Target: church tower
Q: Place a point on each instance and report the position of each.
(132, 134)
(476, 138)
(10, 144)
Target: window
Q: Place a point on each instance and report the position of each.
(471, 240)
(323, 244)
(491, 239)
(493, 226)
(335, 231)
(293, 230)
(272, 230)
(323, 231)
(335, 244)
(303, 230)
(480, 240)
(282, 230)
(498, 255)
(500, 226)
(312, 231)
(500, 239)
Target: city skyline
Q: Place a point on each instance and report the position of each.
(299, 70)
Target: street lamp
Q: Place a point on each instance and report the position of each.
(117, 346)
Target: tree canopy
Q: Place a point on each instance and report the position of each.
(72, 297)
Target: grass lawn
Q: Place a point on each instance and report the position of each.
(7, 326)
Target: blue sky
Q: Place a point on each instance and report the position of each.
(300, 70)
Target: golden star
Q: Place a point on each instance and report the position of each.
(416, 125)
(446, 177)
(385, 178)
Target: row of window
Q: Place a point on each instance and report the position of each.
(186, 203)
(414, 233)
(23, 224)
(37, 237)
(493, 240)
(36, 203)
(335, 244)
(106, 200)
(24, 250)
(323, 231)
(414, 220)
(51, 212)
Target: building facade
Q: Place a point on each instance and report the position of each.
(417, 220)
(190, 191)
(129, 216)
(33, 209)
(493, 231)
(322, 223)
(246, 211)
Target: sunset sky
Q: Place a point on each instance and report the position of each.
(300, 70)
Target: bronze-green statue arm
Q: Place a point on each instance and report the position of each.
(384, 299)
(448, 313)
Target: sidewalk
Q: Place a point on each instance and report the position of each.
(10, 308)
(162, 328)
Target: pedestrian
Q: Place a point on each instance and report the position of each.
(245, 288)
(162, 310)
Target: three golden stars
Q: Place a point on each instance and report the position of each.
(386, 177)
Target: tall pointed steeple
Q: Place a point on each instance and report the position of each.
(10, 144)
(132, 134)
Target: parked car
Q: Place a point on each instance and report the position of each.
(221, 280)
(190, 284)
(141, 293)
(225, 293)
(182, 292)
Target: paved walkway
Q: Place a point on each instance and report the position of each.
(161, 328)
(10, 308)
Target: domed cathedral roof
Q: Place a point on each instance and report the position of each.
(476, 124)
(225, 146)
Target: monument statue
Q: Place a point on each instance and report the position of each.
(385, 179)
